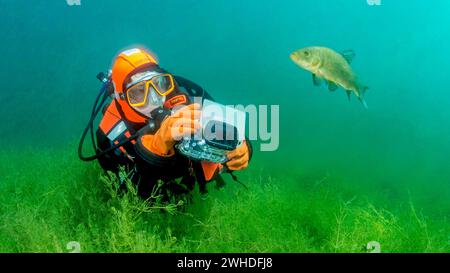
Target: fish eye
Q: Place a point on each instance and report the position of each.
(306, 53)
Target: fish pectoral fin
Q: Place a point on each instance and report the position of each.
(348, 55)
(316, 80)
(332, 86)
(348, 94)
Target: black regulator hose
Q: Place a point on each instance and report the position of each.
(90, 127)
(91, 121)
(103, 78)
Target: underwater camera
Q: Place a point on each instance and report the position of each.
(223, 129)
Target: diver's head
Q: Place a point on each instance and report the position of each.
(147, 90)
(140, 85)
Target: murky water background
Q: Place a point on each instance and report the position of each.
(239, 51)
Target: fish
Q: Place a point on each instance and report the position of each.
(334, 68)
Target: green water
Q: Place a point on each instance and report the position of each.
(342, 176)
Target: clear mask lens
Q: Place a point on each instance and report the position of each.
(163, 84)
(137, 95)
(150, 94)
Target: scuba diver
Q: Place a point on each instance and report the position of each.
(149, 112)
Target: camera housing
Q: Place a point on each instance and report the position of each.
(223, 130)
(217, 139)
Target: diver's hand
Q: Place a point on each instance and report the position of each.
(184, 122)
(238, 158)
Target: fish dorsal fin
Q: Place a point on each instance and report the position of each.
(348, 55)
(332, 86)
(316, 80)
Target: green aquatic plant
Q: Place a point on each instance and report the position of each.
(128, 199)
(52, 199)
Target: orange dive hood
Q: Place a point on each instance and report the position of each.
(126, 64)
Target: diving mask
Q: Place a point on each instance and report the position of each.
(148, 90)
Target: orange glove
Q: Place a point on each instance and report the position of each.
(238, 158)
(184, 122)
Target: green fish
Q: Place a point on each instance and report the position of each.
(326, 64)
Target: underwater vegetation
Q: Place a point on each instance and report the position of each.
(344, 177)
(51, 198)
